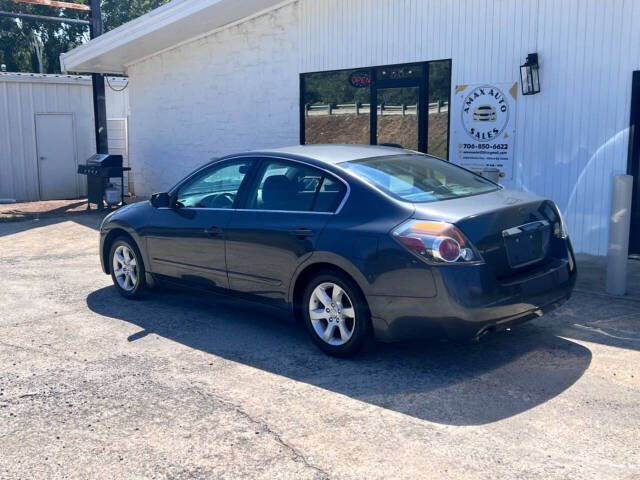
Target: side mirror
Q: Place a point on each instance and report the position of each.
(160, 200)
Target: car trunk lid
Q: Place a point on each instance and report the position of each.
(511, 230)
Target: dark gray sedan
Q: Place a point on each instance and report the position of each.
(355, 240)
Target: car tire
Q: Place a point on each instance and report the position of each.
(127, 268)
(336, 314)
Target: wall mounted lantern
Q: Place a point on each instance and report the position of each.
(529, 78)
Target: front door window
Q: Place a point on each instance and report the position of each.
(214, 188)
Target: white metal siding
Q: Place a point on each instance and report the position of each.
(237, 89)
(22, 96)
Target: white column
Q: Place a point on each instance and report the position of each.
(619, 234)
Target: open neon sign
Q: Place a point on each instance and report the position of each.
(360, 79)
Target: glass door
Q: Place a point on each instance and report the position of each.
(398, 116)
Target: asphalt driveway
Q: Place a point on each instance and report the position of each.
(179, 386)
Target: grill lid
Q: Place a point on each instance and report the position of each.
(104, 160)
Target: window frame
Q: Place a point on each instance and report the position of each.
(259, 169)
(240, 201)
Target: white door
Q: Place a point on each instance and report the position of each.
(56, 148)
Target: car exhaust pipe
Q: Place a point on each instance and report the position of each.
(484, 332)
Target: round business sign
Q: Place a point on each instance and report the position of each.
(360, 79)
(485, 113)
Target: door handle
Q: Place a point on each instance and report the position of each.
(213, 231)
(303, 232)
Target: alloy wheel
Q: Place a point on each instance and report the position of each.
(125, 268)
(332, 314)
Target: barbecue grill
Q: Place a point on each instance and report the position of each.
(99, 169)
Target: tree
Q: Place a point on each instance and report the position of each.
(117, 12)
(29, 46)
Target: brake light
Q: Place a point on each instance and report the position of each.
(436, 241)
(448, 249)
(560, 228)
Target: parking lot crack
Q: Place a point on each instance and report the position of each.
(294, 453)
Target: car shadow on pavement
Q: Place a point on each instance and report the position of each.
(457, 384)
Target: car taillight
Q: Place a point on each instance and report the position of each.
(439, 242)
(560, 228)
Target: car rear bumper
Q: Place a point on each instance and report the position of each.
(471, 302)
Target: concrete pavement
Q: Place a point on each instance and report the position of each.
(180, 386)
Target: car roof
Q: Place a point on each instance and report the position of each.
(335, 153)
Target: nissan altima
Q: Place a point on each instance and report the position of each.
(354, 240)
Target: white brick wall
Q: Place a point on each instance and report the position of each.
(231, 91)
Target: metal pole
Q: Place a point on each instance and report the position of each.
(42, 18)
(97, 82)
(619, 234)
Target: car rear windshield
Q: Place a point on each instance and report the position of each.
(419, 178)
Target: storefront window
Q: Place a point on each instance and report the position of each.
(439, 96)
(406, 105)
(336, 106)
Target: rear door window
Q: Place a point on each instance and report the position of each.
(330, 195)
(294, 187)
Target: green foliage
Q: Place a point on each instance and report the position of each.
(117, 12)
(332, 87)
(30, 46)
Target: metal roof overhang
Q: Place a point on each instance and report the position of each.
(172, 24)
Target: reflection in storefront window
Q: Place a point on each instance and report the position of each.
(439, 93)
(398, 116)
(336, 106)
